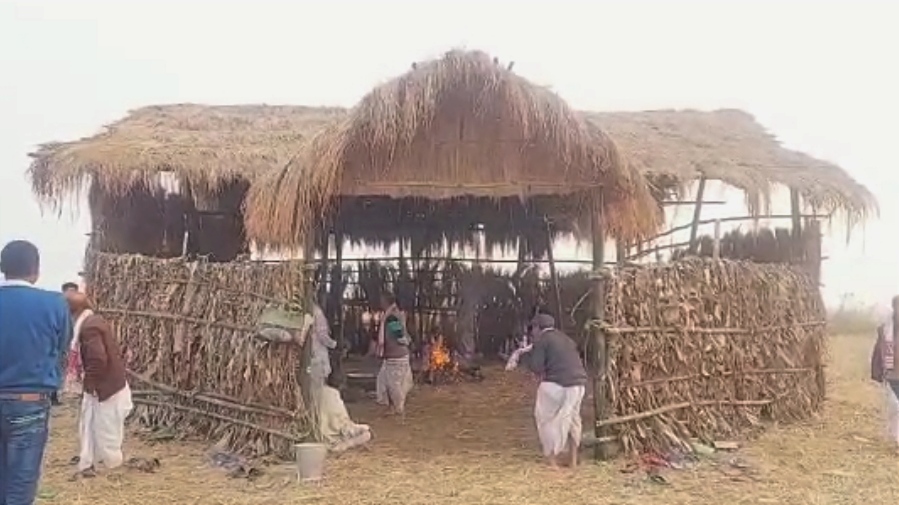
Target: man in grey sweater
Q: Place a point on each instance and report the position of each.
(556, 361)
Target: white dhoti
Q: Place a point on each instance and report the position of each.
(394, 382)
(558, 415)
(101, 429)
(892, 401)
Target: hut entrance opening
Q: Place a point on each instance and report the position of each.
(465, 306)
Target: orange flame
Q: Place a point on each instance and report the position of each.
(440, 357)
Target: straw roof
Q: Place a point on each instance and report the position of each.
(731, 146)
(459, 126)
(206, 146)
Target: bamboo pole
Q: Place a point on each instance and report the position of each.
(812, 252)
(324, 270)
(796, 248)
(553, 273)
(733, 219)
(601, 406)
(337, 284)
(309, 398)
(716, 244)
(697, 214)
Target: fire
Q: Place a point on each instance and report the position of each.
(440, 357)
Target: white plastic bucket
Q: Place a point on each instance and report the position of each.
(311, 461)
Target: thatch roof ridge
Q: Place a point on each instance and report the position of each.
(459, 125)
(206, 145)
(732, 146)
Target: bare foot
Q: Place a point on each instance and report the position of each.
(553, 463)
(87, 473)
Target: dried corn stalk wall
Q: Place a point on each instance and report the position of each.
(705, 348)
(187, 332)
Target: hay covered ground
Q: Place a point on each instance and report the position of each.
(475, 445)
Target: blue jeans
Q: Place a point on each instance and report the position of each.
(23, 435)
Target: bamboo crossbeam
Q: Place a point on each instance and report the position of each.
(217, 400)
(216, 416)
(680, 406)
(682, 378)
(175, 317)
(715, 331)
(734, 219)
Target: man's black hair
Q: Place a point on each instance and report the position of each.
(69, 285)
(20, 259)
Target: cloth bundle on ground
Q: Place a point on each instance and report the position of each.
(338, 429)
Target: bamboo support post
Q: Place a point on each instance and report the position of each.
(337, 284)
(553, 273)
(309, 398)
(324, 269)
(716, 243)
(697, 215)
(601, 403)
(795, 217)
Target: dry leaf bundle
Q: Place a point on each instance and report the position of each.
(705, 348)
(187, 331)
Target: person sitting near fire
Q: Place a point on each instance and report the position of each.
(339, 431)
(395, 376)
(555, 359)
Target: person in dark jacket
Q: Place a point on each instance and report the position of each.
(35, 329)
(556, 361)
(106, 401)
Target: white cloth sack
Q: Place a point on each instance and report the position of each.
(338, 430)
(101, 429)
(558, 415)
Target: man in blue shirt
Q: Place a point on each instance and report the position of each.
(35, 331)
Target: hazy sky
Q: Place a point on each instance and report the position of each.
(821, 75)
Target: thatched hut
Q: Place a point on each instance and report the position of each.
(169, 180)
(459, 143)
(455, 145)
(458, 139)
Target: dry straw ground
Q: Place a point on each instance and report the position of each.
(475, 445)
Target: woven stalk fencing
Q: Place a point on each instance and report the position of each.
(187, 331)
(709, 349)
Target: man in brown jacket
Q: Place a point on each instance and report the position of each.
(107, 398)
